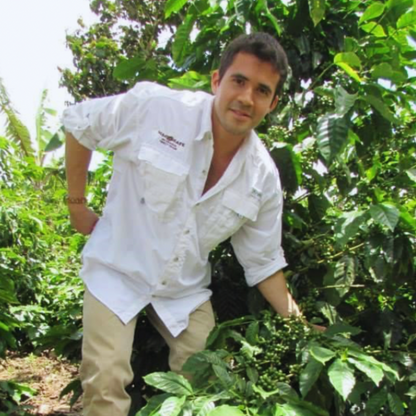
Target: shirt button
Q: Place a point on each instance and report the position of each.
(142, 201)
(187, 231)
(176, 259)
(164, 283)
(204, 172)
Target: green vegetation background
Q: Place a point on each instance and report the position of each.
(343, 137)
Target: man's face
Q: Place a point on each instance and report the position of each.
(244, 95)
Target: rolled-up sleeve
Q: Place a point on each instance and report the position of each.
(257, 244)
(106, 122)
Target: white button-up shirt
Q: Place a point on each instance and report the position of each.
(151, 245)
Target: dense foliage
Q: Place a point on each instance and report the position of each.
(343, 138)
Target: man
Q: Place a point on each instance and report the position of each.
(189, 172)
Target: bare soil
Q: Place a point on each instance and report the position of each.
(46, 374)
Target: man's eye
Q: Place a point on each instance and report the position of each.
(239, 81)
(264, 91)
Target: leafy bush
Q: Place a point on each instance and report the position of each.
(11, 397)
(39, 256)
(276, 366)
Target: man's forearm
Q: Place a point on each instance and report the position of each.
(77, 160)
(275, 291)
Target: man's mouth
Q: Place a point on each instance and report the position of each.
(240, 114)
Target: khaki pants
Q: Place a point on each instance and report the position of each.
(107, 346)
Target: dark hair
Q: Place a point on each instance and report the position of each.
(261, 45)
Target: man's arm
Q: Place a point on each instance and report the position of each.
(77, 160)
(275, 291)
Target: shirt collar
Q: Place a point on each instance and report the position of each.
(206, 124)
(246, 148)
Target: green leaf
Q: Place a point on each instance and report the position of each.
(309, 375)
(368, 358)
(56, 141)
(129, 69)
(252, 374)
(318, 206)
(411, 173)
(342, 378)
(213, 336)
(289, 165)
(282, 389)
(173, 6)
(406, 20)
(248, 350)
(321, 354)
(372, 371)
(224, 376)
(226, 410)
(347, 61)
(152, 405)
(291, 409)
(374, 29)
(252, 333)
(332, 136)
(385, 214)
(182, 39)
(380, 107)
(344, 101)
(205, 359)
(172, 406)
(383, 70)
(263, 393)
(16, 390)
(286, 390)
(344, 274)
(349, 58)
(395, 404)
(341, 328)
(203, 406)
(407, 218)
(328, 311)
(412, 392)
(191, 80)
(169, 382)
(376, 402)
(15, 129)
(351, 72)
(316, 10)
(262, 5)
(375, 9)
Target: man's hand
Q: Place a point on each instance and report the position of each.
(275, 291)
(82, 218)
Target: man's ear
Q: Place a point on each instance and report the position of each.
(274, 103)
(215, 81)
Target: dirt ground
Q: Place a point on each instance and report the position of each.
(48, 375)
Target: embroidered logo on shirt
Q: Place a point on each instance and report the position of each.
(170, 141)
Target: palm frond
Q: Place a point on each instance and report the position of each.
(15, 129)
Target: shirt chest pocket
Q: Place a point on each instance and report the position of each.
(229, 216)
(164, 181)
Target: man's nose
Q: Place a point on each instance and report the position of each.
(246, 96)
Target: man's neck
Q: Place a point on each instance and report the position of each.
(226, 144)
